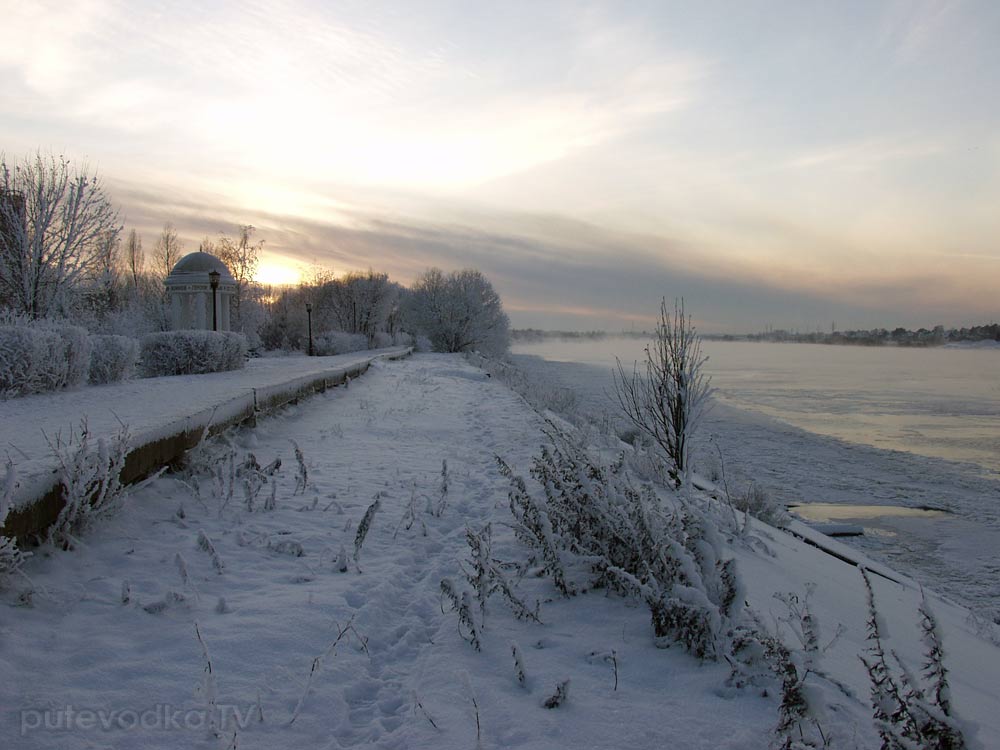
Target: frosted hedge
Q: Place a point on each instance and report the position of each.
(192, 352)
(112, 358)
(42, 357)
(338, 342)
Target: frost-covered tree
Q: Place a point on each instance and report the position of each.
(104, 292)
(242, 256)
(167, 251)
(54, 217)
(135, 260)
(666, 397)
(459, 312)
(360, 302)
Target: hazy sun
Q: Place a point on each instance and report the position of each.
(277, 274)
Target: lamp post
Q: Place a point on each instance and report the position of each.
(213, 281)
(309, 316)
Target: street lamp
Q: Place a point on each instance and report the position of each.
(213, 281)
(309, 315)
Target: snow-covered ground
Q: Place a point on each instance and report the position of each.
(150, 408)
(401, 675)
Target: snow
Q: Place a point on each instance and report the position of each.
(400, 662)
(150, 407)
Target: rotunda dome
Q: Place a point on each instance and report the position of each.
(200, 264)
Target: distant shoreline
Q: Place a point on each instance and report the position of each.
(921, 339)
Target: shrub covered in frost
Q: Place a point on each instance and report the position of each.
(192, 352)
(74, 348)
(338, 342)
(668, 555)
(41, 357)
(91, 481)
(112, 358)
(910, 711)
(11, 557)
(758, 503)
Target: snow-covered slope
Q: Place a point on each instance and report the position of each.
(400, 675)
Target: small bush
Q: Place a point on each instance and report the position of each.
(381, 340)
(91, 481)
(112, 358)
(758, 503)
(41, 357)
(338, 342)
(192, 352)
(910, 711)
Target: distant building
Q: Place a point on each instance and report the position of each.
(189, 290)
(13, 218)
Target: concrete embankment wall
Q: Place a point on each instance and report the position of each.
(38, 498)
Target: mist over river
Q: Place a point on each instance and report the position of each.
(844, 424)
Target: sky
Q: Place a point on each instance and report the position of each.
(793, 164)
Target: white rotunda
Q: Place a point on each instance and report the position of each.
(200, 289)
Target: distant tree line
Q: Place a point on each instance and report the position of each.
(65, 254)
(921, 337)
(535, 334)
(900, 336)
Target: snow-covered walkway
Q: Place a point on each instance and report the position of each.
(146, 404)
(111, 629)
(152, 409)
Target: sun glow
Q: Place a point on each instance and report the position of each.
(277, 274)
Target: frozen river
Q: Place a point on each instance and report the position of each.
(848, 425)
(943, 403)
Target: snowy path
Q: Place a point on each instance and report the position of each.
(157, 412)
(71, 641)
(148, 403)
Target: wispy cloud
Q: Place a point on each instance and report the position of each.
(291, 88)
(911, 26)
(866, 155)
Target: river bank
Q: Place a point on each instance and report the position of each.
(953, 553)
(285, 624)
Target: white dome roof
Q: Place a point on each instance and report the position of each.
(195, 267)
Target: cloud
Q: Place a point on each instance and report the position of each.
(293, 89)
(866, 155)
(558, 272)
(911, 26)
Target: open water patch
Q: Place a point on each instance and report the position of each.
(835, 512)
